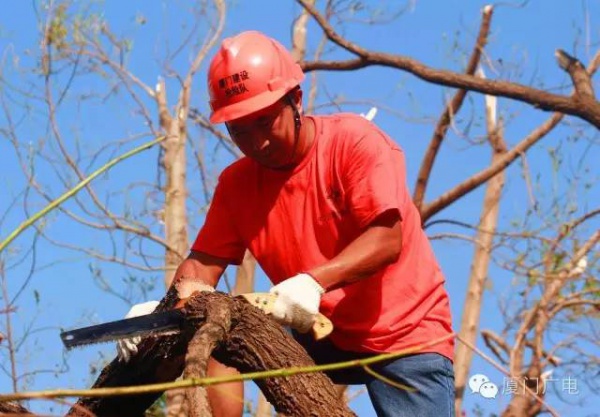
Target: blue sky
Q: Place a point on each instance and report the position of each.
(439, 34)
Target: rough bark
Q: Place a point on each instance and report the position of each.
(175, 215)
(13, 408)
(158, 360)
(244, 283)
(174, 166)
(257, 343)
(242, 337)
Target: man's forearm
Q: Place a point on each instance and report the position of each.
(198, 272)
(376, 248)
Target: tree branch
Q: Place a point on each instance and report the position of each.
(493, 342)
(184, 101)
(482, 176)
(579, 76)
(550, 292)
(451, 109)
(538, 98)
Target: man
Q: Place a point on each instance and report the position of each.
(322, 204)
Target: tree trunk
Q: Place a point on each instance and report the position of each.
(469, 327)
(244, 283)
(523, 404)
(517, 407)
(236, 334)
(175, 215)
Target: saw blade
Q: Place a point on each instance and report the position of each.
(166, 323)
(155, 324)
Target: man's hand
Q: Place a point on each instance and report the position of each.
(297, 302)
(128, 347)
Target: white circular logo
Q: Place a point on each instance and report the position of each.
(476, 381)
(488, 390)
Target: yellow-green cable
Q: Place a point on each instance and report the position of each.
(70, 193)
(195, 382)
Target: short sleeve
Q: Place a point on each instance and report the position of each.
(219, 236)
(374, 177)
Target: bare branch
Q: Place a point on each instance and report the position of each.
(533, 394)
(451, 109)
(164, 117)
(538, 98)
(580, 77)
(117, 68)
(531, 318)
(508, 158)
(493, 342)
(183, 107)
(197, 117)
(299, 35)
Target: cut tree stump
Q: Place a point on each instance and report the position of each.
(235, 333)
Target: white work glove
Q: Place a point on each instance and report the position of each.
(128, 347)
(297, 302)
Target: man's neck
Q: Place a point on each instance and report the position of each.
(307, 137)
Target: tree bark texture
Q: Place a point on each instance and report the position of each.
(175, 214)
(13, 408)
(244, 283)
(238, 335)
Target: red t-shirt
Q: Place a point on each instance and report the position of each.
(293, 221)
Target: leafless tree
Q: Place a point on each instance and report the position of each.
(146, 225)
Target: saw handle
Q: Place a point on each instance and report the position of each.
(322, 327)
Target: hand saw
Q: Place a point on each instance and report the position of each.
(168, 322)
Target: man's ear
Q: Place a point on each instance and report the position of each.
(297, 98)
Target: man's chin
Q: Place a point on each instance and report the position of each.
(274, 163)
(280, 167)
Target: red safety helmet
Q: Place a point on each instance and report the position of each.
(250, 72)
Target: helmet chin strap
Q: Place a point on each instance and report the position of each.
(297, 125)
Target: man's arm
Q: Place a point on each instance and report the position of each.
(198, 271)
(298, 297)
(377, 247)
